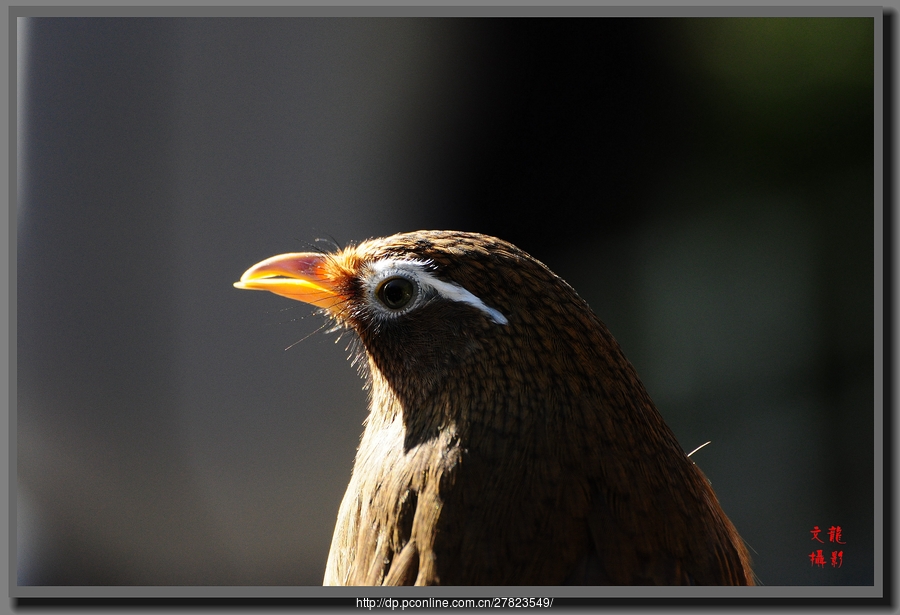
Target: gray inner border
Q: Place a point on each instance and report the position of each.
(575, 10)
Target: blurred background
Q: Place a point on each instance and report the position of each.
(706, 184)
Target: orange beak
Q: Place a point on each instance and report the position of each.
(299, 275)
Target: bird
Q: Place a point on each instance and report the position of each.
(508, 439)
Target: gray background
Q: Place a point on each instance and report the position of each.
(707, 186)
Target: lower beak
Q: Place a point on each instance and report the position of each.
(298, 275)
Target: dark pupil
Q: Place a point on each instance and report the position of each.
(396, 292)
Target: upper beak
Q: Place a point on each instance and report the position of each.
(298, 275)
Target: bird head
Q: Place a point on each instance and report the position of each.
(446, 315)
(521, 419)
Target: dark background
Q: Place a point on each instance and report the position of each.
(706, 184)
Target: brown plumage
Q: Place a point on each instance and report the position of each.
(509, 440)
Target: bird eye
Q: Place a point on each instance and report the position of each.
(396, 293)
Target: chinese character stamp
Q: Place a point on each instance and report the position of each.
(817, 558)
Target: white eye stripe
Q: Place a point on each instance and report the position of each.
(448, 290)
(455, 292)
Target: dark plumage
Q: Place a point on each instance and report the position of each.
(509, 440)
